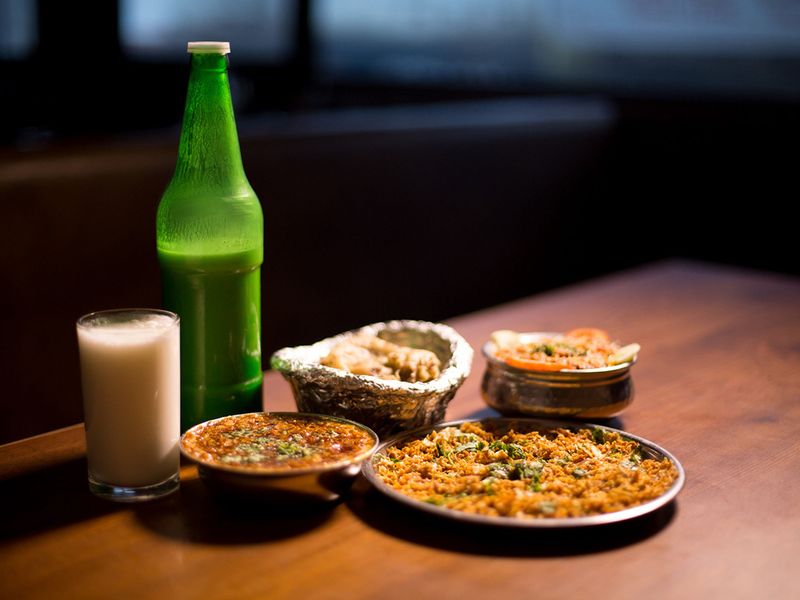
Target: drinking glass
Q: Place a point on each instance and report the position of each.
(130, 376)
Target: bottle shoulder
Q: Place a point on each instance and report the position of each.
(206, 223)
(181, 189)
(188, 202)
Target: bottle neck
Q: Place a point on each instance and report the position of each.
(208, 153)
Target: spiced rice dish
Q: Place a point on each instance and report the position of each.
(493, 470)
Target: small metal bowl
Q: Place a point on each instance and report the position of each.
(307, 485)
(386, 406)
(577, 393)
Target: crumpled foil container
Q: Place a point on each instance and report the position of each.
(386, 406)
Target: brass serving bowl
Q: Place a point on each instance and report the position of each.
(325, 482)
(386, 406)
(578, 393)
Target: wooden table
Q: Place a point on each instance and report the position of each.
(718, 384)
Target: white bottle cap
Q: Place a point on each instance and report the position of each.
(208, 48)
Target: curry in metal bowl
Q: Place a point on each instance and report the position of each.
(581, 373)
(576, 350)
(283, 455)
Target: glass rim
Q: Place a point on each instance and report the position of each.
(84, 321)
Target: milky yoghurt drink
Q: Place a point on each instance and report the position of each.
(130, 373)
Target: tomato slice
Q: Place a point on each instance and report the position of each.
(589, 332)
(528, 364)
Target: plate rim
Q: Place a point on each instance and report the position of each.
(626, 514)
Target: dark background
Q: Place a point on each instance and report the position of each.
(414, 160)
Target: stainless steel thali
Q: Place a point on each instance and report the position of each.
(648, 448)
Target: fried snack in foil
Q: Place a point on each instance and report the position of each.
(387, 406)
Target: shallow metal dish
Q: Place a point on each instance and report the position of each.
(578, 393)
(648, 448)
(323, 483)
(387, 407)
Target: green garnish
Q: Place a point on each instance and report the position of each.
(635, 458)
(632, 462)
(252, 453)
(512, 450)
(579, 473)
(293, 450)
(527, 470)
(598, 435)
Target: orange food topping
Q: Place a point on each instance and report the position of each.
(583, 348)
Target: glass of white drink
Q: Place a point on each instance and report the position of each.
(130, 374)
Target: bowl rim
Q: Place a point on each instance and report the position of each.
(488, 352)
(290, 472)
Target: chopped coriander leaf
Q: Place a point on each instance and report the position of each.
(293, 450)
(598, 435)
(547, 349)
(528, 470)
(512, 450)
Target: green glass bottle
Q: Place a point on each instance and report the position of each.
(210, 241)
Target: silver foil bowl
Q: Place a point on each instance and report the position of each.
(585, 393)
(295, 487)
(385, 406)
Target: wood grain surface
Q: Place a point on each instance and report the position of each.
(717, 384)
